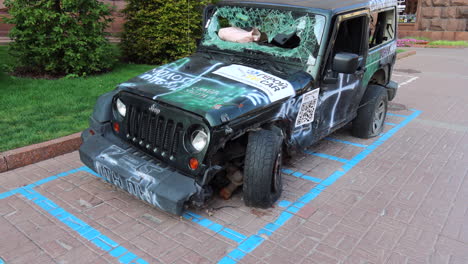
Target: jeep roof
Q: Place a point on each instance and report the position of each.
(332, 6)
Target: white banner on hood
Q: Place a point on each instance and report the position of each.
(275, 88)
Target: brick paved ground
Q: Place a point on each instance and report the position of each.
(400, 198)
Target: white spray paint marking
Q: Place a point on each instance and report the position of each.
(338, 91)
(256, 99)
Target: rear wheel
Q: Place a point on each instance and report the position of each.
(262, 169)
(370, 118)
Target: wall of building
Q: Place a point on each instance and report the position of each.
(440, 19)
(436, 19)
(443, 15)
(4, 28)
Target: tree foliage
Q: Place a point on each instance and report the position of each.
(158, 31)
(60, 37)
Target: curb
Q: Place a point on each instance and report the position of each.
(21, 157)
(405, 54)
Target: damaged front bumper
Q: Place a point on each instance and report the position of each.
(146, 178)
(392, 88)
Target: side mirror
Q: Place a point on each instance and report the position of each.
(345, 62)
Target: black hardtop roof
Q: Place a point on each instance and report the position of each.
(331, 5)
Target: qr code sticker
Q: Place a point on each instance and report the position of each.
(307, 110)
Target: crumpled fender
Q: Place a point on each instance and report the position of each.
(103, 107)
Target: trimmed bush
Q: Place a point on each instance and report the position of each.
(59, 37)
(159, 31)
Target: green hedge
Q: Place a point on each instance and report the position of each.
(60, 37)
(159, 31)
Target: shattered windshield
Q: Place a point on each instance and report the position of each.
(283, 34)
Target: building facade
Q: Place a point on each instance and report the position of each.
(434, 19)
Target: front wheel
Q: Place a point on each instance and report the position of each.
(262, 169)
(370, 118)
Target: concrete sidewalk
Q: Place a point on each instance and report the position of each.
(398, 198)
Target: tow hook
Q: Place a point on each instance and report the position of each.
(236, 179)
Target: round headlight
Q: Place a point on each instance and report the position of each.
(199, 140)
(121, 107)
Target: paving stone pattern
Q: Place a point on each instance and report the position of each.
(399, 198)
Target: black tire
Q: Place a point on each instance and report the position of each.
(370, 118)
(262, 169)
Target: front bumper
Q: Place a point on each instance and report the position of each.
(392, 88)
(129, 169)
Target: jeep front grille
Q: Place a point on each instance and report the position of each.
(153, 132)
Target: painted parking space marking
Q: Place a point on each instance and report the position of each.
(301, 175)
(199, 220)
(397, 115)
(219, 229)
(256, 240)
(245, 243)
(346, 142)
(41, 182)
(390, 124)
(83, 229)
(404, 79)
(409, 81)
(326, 156)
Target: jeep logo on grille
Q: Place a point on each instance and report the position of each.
(154, 108)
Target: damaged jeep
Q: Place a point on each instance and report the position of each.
(269, 78)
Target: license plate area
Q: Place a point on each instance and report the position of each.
(137, 186)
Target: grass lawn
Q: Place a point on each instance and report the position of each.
(460, 43)
(33, 111)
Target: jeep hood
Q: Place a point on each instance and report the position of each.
(216, 90)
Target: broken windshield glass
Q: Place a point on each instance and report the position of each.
(280, 33)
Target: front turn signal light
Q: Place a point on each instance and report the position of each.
(193, 163)
(116, 127)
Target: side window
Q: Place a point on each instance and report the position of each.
(382, 27)
(351, 36)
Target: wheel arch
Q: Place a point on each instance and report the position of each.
(380, 77)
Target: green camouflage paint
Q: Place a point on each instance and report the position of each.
(372, 66)
(205, 97)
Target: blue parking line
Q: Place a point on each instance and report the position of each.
(346, 142)
(256, 240)
(390, 124)
(83, 229)
(43, 181)
(300, 175)
(246, 244)
(392, 114)
(326, 156)
(219, 229)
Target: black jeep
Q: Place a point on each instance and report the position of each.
(269, 78)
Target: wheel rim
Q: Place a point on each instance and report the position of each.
(379, 117)
(275, 184)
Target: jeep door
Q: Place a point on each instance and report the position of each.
(340, 90)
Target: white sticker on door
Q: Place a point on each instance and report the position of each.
(306, 113)
(275, 88)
